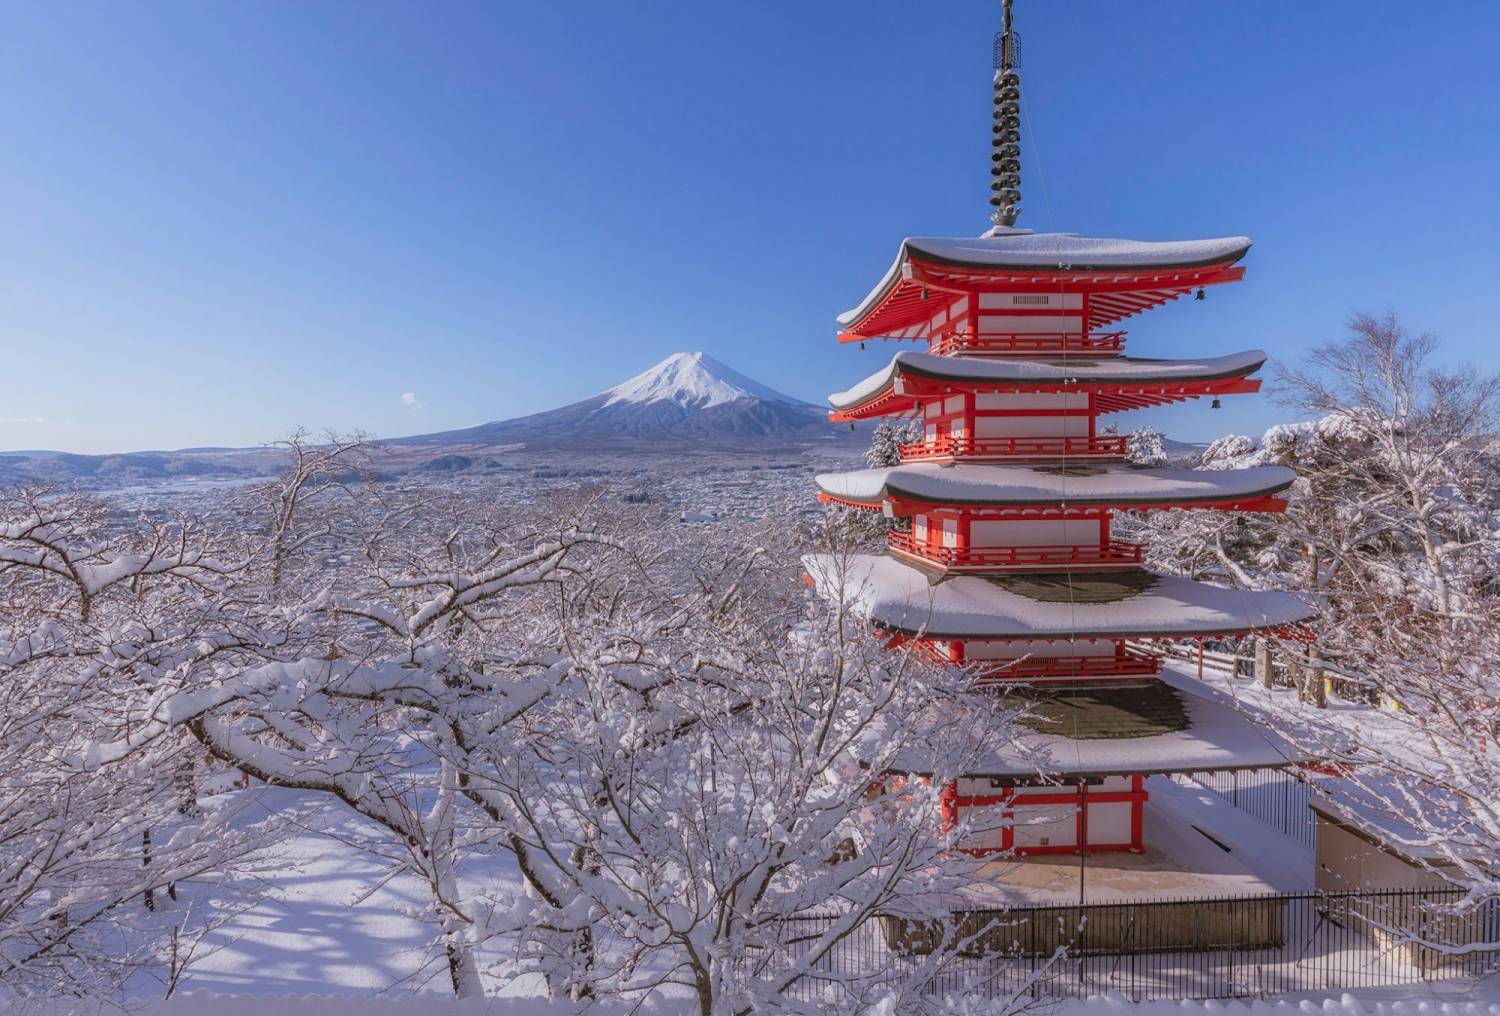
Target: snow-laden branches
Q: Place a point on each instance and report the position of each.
(1393, 530)
(66, 540)
(292, 506)
(89, 858)
(699, 819)
(682, 752)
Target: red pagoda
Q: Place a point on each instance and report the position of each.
(1007, 562)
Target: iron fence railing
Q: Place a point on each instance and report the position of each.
(1232, 947)
(1277, 797)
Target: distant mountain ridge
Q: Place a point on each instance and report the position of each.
(686, 398)
(687, 402)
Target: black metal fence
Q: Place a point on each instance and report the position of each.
(1237, 947)
(1276, 797)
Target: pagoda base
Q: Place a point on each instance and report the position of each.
(1029, 906)
(1178, 861)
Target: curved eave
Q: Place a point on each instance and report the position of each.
(1225, 251)
(902, 601)
(904, 506)
(900, 298)
(905, 385)
(904, 500)
(1180, 631)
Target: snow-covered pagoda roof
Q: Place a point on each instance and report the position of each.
(1117, 382)
(916, 486)
(902, 599)
(1215, 736)
(1129, 274)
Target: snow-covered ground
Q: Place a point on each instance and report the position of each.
(328, 920)
(329, 929)
(1428, 1000)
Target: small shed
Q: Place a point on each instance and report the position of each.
(1366, 861)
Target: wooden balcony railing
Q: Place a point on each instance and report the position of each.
(1103, 446)
(1114, 554)
(1025, 343)
(1042, 668)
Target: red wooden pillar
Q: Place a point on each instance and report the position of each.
(1083, 816)
(949, 806)
(1138, 813)
(971, 425)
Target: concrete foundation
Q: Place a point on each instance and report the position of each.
(1182, 926)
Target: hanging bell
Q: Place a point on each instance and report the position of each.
(1201, 295)
(851, 422)
(1216, 403)
(861, 345)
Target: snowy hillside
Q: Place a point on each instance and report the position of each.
(688, 397)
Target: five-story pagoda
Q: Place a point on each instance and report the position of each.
(1007, 563)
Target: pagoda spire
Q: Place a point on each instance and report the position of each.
(1005, 163)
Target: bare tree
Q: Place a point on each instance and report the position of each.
(1424, 475)
(91, 617)
(725, 782)
(1394, 531)
(291, 503)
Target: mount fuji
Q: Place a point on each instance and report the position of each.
(688, 402)
(686, 398)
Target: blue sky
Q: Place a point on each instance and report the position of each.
(219, 221)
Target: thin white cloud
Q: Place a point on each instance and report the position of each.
(410, 401)
(23, 419)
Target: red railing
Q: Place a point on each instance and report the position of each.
(1114, 554)
(1025, 343)
(1032, 668)
(951, 447)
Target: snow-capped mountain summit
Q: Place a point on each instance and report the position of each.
(693, 380)
(688, 398)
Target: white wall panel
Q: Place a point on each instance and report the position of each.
(1046, 825)
(1031, 400)
(1029, 324)
(1031, 426)
(1109, 824)
(998, 650)
(1034, 533)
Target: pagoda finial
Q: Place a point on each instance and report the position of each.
(1005, 163)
